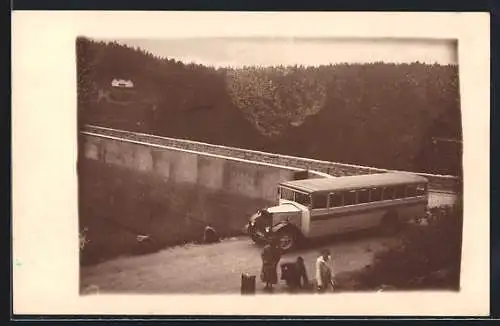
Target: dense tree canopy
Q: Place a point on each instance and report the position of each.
(379, 114)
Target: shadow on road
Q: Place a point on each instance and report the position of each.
(306, 245)
(345, 238)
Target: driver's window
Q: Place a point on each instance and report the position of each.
(303, 199)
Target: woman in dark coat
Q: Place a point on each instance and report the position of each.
(271, 256)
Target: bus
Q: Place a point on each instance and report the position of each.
(312, 208)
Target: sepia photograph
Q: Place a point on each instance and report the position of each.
(268, 165)
(198, 163)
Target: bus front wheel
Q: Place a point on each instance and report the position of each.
(286, 238)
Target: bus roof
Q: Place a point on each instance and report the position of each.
(353, 182)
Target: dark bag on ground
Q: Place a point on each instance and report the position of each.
(291, 275)
(295, 274)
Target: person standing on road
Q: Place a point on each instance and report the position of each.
(303, 280)
(324, 275)
(271, 255)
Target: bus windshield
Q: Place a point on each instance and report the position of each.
(298, 197)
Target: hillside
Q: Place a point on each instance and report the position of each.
(382, 115)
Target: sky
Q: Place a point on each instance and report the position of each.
(237, 52)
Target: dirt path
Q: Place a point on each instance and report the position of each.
(213, 268)
(441, 198)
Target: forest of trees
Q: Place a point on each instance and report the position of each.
(382, 115)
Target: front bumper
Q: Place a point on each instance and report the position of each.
(257, 233)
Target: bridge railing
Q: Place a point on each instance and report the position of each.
(444, 183)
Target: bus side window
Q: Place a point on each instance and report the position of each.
(350, 198)
(319, 201)
(400, 192)
(411, 191)
(376, 194)
(388, 193)
(421, 189)
(335, 200)
(363, 196)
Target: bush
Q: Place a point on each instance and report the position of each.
(428, 256)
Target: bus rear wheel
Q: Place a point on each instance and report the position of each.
(390, 224)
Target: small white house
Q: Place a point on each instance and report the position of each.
(122, 83)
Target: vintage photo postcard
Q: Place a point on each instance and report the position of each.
(251, 163)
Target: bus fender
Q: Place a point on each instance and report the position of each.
(283, 224)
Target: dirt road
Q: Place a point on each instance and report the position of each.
(441, 198)
(217, 268)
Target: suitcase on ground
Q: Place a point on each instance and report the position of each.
(248, 284)
(290, 274)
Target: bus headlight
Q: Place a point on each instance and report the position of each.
(268, 229)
